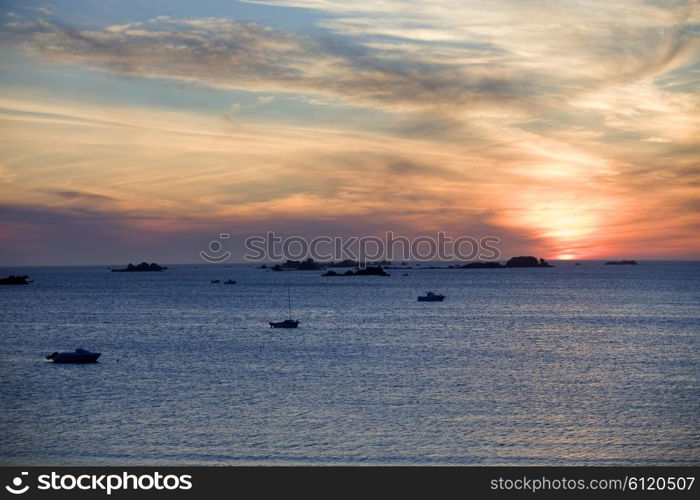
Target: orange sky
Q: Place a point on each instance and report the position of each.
(571, 133)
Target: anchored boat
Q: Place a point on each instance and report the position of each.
(77, 356)
(289, 322)
(431, 297)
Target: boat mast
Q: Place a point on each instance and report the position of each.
(289, 302)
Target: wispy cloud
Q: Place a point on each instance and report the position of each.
(228, 54)
(565, 123)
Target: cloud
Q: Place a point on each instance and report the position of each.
(250, 170)
(530, 189)
(78, 195)
(106, 237)
(232, 110)
(229, 54)
(564, 123)
(47, 10)
(452, 63)
(582, 37)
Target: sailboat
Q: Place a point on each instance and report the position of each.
(289, 322)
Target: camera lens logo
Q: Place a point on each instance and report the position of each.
(214, 254)
(17, 482)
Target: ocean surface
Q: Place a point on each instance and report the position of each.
(572, 365)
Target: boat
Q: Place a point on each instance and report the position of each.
(77, 356)
(229, 282)
(431, 297)
(215, 281)
(289, 322)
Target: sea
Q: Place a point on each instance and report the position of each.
(572, 365)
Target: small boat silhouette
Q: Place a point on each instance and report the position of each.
(431, 297)
(77, 356)
(230, 282)
(289, 322)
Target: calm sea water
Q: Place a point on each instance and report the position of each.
(572, 365)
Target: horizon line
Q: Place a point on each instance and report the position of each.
(222, 264)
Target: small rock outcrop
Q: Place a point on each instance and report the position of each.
(297, 265)
(528, 261)
(367, 271)
(144, 267)
(15, 280)
(480, 265)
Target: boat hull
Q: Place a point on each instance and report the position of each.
(77, 356)
(72, 358)
(284, 324)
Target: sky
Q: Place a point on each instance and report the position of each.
(141, 130)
